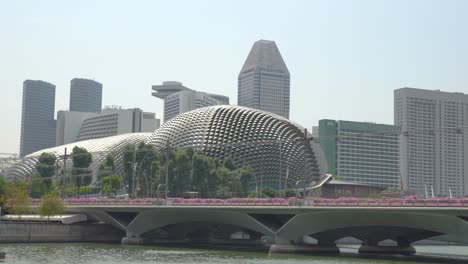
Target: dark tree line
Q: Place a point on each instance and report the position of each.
(188, 173)
(42, 181)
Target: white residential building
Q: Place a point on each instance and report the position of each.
(180, 99)
(68, 126)
(111, 121)
(433, 147)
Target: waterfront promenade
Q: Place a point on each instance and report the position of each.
(247, 202)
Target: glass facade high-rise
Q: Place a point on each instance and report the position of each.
(37, 117)
(263, 81)
(362, 152)
(85, 96)
(434, 153)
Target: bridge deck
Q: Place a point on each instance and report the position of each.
(275, 202)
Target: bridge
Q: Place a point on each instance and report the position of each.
(285, 225)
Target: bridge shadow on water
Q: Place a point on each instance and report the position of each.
(351, 251)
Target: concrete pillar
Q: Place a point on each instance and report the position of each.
(299, 247)
(132, 239)
(135, 241)
(371, 247)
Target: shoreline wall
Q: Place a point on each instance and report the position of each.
(15, 232)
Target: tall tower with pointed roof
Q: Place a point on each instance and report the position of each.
(263, 81)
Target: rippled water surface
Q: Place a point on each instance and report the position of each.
(105, 253)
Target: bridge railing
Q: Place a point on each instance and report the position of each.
(316, 202)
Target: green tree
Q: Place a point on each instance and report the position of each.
(81, 161)
(38, 186)
(246, 176)
(212, 177)
(269, 192)
(128, 162)
(235, 185)
(289, 193)
(51, 205)
(190, 152)
(253, 194)
(110, 161)
(200, 172)
(181, 181)
(222, 188)
(156, 177)
(107, 167)
(145, 157)
(3, 189)
(45, 167)
(228, 163)
(110, 185)
(228, 183)
(18, 199)
(169, 168)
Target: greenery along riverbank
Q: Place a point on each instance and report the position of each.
(189, 173)
(144, 174)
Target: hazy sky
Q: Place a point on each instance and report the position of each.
(345, 57)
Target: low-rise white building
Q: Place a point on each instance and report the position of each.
(68, 126)
(111, 121)
(180, 99)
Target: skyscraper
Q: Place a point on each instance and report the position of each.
(85, 96)
(179, 99)
(37, 117)
(433, 149)
(263, 81)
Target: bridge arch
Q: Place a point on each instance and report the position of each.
(151, 219)
(442, 227)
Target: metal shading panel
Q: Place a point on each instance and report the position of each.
(274, 146)
(187, 130)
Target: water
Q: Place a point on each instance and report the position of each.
(116, 254)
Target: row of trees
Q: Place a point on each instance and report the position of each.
(15, 199)
(147, 173)
(188, 172)
(74, 181)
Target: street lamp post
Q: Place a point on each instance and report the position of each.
(139, 171)
(297, 189)
(64, 172)
(157, 190)
(133, 172)
(306, 141)
(167, 170)
(286, 179)
(280, 167)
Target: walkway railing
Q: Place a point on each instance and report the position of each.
(310, 202)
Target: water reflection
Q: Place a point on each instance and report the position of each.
(108, 253)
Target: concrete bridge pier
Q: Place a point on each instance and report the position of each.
(403, 247)
(300, 247)
(132, 239)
